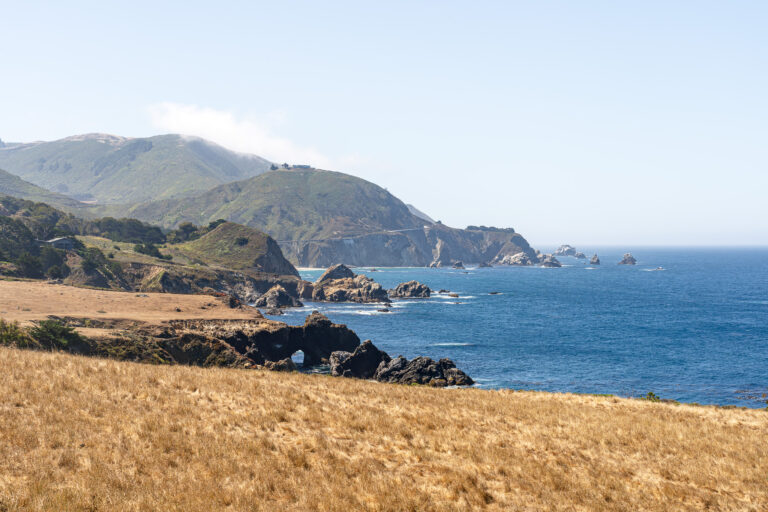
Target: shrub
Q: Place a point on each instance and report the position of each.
(11, 335)
(652, 397)
(241, 241)
(29, 266)
(55, 272)
(93, 258)
(54, 335)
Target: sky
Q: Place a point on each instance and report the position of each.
(589, 122)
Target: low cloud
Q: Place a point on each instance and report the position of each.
(243, 135)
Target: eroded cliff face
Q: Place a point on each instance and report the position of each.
(436, 245)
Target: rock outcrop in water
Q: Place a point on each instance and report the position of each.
(361, 364)
(340, 284)
(368, 362)
(550, 261)
(580, 256)
(594, 260)
(422, 370)
(565, 250)
(411, 290)
(520, 259)
(628, 259)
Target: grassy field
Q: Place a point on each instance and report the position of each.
(89, 434)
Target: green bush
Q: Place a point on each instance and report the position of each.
(29, 266)
(11, 335)
(54, 335)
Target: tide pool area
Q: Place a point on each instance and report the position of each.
(689, 324)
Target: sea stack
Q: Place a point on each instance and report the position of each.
(595, 260)
(565, 250)
(550, 261)
(628, 259)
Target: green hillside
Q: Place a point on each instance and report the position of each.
(288, 205)
(236, 247)
(111, 169)
(14, 186)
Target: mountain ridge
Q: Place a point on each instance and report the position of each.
(107, 168)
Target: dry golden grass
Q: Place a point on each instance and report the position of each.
(92, 434)
(26, 301)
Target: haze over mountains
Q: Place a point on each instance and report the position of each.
(112, 169)
(320, 217)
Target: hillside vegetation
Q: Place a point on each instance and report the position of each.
(111, 169)
(12, 185)
(91, 434)
(288, 205)
(236, 247)
(128, 254)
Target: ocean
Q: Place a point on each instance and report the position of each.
(696, 331)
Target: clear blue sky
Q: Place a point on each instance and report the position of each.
(575, 122)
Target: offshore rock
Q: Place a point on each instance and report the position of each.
(410, 290)
(338, 271)
(580, 255)
(565, 250)
(422, 370)
(628, 259)
(458, 264)
(550, 261)
(594, 260)
(340, 284)
(360, 364)
(520, 259)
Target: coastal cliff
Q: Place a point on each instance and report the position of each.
(435, 245)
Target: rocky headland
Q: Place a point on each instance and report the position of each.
(200, 331)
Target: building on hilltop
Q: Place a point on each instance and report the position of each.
(66, 243)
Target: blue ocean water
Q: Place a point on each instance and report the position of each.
(696, 331)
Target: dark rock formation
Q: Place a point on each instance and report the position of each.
(361, 364)
(550, 261)
(274, 312)
(422, 370)
(411, 289)
(565, 250)
(340, 284)
(628, 259)
(594, 260)
(252, 343)
(458, 264)
(277, 297)
(267, 340)
(580, 255)
(484, 264)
